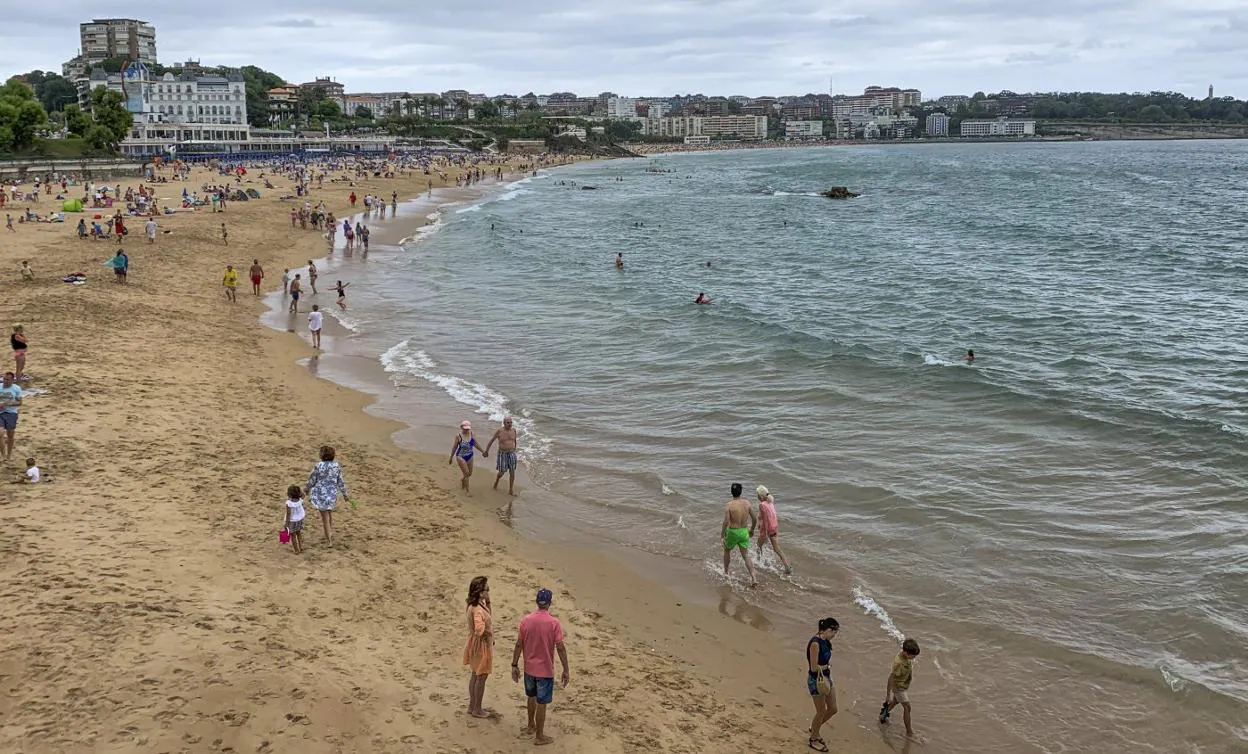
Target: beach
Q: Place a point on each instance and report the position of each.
(153, 609)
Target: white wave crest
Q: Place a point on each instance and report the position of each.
(404, 359)
(935, 361)
(871, 607)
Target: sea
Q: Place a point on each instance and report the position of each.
(1061, 523)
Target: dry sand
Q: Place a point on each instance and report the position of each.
(149, 606)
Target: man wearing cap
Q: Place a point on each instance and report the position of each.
(540, 636)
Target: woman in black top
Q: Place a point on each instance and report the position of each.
(18, 341)
(819, 679)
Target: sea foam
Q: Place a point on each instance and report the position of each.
(404, 359)
(871, 607)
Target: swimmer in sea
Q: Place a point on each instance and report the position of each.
(701, 299)
(970, 356)
(619, 260)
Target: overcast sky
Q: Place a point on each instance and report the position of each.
(664, 47)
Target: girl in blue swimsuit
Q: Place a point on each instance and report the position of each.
(461, 453)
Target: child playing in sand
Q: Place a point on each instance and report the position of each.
(897, 691)
(294, 517)
(285, 281)
(32, 475)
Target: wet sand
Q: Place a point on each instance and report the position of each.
(152, 608)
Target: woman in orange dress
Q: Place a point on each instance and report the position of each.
(479, 651)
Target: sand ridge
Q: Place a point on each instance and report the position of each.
(150, 606)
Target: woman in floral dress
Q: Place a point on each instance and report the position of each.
(324, 484)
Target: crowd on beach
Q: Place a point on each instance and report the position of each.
(539, 636)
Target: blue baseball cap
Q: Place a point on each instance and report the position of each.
(544, 596)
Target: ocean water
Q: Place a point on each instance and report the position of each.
(1061, 523)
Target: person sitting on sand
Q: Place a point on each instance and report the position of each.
(479, 651)
(701, 299)
(461, 453)
(32, 474)
(769, 525)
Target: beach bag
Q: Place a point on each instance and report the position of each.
(283, 536)
(823, 681)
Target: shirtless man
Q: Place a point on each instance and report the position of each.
(734, 533)
(296, 287)
(506, 463)
(257, 274)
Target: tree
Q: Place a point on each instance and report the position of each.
(21, 115)
(257, 82)
(76, 120)
(363, 112)
(308, 100)
(328, 109)
(108, 110)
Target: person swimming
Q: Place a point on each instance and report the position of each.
(970, 356)
(701, 299)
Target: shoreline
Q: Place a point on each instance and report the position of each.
(179, 619)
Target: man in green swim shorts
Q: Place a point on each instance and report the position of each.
(734, 532)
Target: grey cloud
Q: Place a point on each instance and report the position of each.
(649, 47)
(295, 23)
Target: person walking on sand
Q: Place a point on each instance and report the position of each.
(769, 525)
(461, 453)
(479, 651)
(898, 689)
(505, 436)
(225, 235)
(256, 273)
(230, 282)
(294, 517)
(315, 320)
(10, 402)
(341, 287)
(324, 485)
(819, 679)
(312, 276)
(121, 266)
(539, 637)
(149, 228)
(296, 288)
(17, 339)
(734, 533)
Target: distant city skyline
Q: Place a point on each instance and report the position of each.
(653, 48)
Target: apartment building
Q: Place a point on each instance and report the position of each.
(621, 107)
(125, 38)
(803, 129)
(998, 127)
(937, 124)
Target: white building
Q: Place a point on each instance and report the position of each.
(735, 126)
(937, 124)
(803, 129)
(170, 109)
(998, 127)
(678, 126)
(621, 107)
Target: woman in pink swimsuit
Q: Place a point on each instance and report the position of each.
(769, 526)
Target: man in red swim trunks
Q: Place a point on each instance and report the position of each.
(257, 274)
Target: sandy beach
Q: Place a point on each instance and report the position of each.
(153, 609)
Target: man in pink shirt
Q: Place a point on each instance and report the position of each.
(540, 635)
